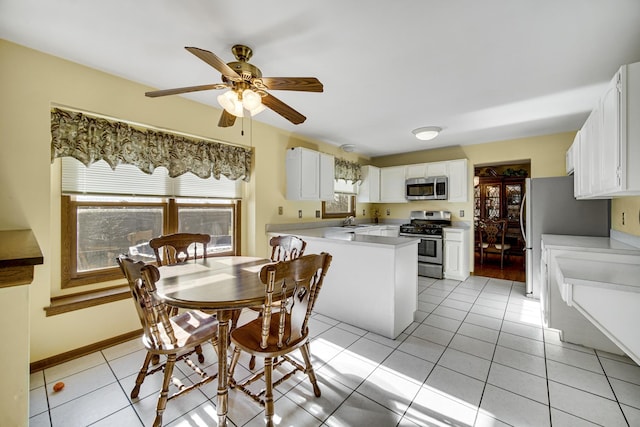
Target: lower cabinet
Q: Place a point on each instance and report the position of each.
(456, 253)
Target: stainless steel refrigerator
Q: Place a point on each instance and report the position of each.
(549, 207)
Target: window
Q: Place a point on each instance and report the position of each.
(342, 206)
(108, 212)
(96, 229)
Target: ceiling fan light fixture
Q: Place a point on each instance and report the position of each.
(230, 102)
(427, 133)
(250, 99)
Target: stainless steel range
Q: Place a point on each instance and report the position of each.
(428, 226)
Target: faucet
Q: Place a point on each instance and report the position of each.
(350, 220)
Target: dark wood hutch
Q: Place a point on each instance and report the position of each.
(498, 193)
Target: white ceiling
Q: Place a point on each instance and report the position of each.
(483, 70)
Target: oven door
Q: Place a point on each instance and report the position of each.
(430, 250)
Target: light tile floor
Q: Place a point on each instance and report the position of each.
(476, 356)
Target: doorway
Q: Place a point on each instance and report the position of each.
(498, 194)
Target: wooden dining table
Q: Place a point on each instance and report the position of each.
(220, 284)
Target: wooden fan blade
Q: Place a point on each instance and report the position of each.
(283, 109)
(305, 84)
(226, 119)
(217, 63)
(187, 89)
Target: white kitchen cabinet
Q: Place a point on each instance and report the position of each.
(437, 169)
(369, 188)
(327, 176)
(392, 184)
(418, 170)
(310, 175)
(458, 180)
(610, 140)
(456, 253)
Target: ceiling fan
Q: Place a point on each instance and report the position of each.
(248, 89)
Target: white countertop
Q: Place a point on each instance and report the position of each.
(588, 244)
(347, 236)
(611, 275)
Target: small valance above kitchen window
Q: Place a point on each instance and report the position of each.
(349, 171)
(89, 139)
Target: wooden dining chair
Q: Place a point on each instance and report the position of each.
(283, 248)
(492, 233)
(174, 248)
(175, 337)
(296, 284)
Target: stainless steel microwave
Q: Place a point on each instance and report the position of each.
(430, 188)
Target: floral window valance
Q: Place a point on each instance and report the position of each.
(89, 139)
(349, 171)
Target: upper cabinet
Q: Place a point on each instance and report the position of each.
(392, 179)
(608, 145)
(392, 184)
(369, 189)
(310, 174)
(458, 182)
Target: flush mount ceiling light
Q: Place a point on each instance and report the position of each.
(427, 133)
(347, 148)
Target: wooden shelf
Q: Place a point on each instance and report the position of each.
(19, 252)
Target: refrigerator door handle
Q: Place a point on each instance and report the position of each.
(524, 234)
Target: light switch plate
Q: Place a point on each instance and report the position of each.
(461, 213)
(300, 213)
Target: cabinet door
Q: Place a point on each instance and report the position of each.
(452, 258)
(457, 173)
(596, 147)
(303, 174)
(327, 176)
(369, 188)
(392, 184)
(513, 192)
(437, 169)
(611, 172)
(417, 171)
(492, 199)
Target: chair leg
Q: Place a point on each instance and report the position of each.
(142, 374)
(268, 397)
(232, 366)
(306, 355)
(199, 353)
(164, 392)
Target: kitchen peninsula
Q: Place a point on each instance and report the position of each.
(373, 280)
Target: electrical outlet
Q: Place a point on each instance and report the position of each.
(280, 210)
(622, 218)
(461, 213)
(388, 212)
(300, 213)
(317, 214)
(364, 213)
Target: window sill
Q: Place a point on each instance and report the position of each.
(68, 303)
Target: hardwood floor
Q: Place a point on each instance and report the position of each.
(514, 268)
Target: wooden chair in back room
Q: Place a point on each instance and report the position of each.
(296, 284)
(492, 234)
(174, 337)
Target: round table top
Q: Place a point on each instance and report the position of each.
(215, 283)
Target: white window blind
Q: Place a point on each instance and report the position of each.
(345, 186)
(99, 178)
